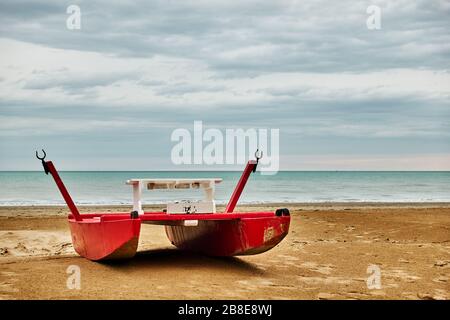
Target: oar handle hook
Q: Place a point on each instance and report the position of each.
(42, 160)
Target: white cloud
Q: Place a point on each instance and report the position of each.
(97, 79)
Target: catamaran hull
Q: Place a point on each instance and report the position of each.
(103, 238)
(230, 237)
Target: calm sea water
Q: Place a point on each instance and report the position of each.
(35, 188)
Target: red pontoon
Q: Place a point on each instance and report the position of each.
(193, 226)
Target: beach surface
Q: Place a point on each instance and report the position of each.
(330, 253)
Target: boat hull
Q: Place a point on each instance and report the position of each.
(105, 238)
(235, 237)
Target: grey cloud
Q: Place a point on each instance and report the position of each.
(69, 82)
(247, 37)
(387, 118)
(184, 88)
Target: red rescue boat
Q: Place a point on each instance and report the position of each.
(193, 226)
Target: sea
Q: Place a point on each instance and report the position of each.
(22, 188)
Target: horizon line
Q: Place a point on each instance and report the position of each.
(219, 170)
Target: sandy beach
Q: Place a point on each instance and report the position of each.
(325, 256)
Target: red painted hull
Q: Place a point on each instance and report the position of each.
(103, 238)
(115, 236)
(230, 237)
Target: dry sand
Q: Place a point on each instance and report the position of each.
(325, 256)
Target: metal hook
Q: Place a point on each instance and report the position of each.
(258, 154)
(37, 156)
(43, 162)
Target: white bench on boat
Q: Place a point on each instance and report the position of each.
(207, 184)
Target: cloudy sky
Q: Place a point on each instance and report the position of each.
(108, 96)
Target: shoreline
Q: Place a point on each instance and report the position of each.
(255, 204)
(62, 210)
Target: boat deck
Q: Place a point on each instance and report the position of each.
(163, 216)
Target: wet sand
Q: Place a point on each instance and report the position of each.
(325, 256)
